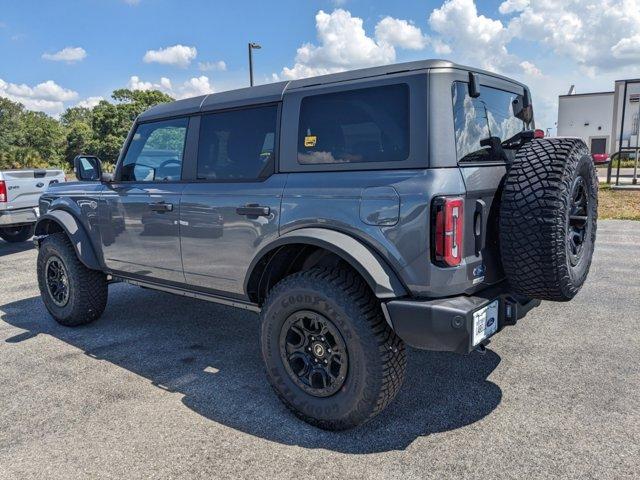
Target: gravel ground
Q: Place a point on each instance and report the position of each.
(164, 387)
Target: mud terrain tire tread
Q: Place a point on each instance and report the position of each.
(385, 351)
(88, 288)
(534, 213)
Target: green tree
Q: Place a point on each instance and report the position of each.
(76, 114)
(79, 140)
(111, 121)
(35, 140)
(10, 114)
(43, 134)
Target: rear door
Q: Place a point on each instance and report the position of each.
(232, 206)
(139, 219)
(481, 125)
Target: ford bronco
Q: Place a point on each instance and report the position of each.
(357, 212)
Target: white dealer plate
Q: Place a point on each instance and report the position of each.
(485, 322)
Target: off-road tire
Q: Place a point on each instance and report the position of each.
(377, 358)
(87, 297)
(535, 212)
(16, 234)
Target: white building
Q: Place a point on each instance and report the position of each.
(597, 117)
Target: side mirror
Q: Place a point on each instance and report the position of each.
(474, 85)
(522, 109)
(87, 168)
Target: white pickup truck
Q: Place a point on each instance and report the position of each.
(20, 191)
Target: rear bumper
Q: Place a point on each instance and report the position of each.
(21, 216)
(446, 324)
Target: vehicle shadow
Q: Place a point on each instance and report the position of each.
(8, 248)
(210, 354)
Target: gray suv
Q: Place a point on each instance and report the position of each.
(358, 212)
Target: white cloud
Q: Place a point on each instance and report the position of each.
(177, 55)
(89, 102)
(627, 48)
(440, 47)
(220, 66)
(344, 44)
(68, 54)
(400, 33)
(530, 69)
(604, 34)
(511, 6)
(48, 97)
(193, 87)
(588, 41)
(475, 39)
(132, 2)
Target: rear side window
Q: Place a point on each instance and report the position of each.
(482, 124)
(238, 144)
(365, 125)
(155, 152)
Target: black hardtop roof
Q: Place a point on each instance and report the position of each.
(274, 92)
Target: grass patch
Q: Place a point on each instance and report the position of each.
(618, 204)
(624, 163)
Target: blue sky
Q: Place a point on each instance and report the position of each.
(58, 54)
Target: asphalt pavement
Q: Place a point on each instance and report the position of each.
(170, 387)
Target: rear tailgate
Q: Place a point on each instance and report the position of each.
(24, 187)
(483, 185)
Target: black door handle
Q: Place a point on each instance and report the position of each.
(253, 210)
(161, 207)
(479, 232)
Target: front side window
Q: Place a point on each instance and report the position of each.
(486, 123)
(364, 125)
(238, 144)
(155, 152)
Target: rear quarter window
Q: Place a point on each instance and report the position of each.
(355, 126)
(482, 123)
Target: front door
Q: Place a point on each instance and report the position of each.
(233, 206)
(140, 232)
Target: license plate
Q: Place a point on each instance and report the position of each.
(485, 322)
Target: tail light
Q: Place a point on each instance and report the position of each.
(3, 191)
(537, 133)
(447, 231)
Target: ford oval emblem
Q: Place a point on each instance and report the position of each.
(39, 184)
(490, 322)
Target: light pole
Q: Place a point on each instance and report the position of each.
(252, 46)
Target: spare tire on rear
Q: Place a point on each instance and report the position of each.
(548, 216)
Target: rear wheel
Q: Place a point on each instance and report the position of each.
(548, 218)
(73, 294)
(21, 233)
(329, 353)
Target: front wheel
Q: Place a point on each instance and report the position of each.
(17, 234)
(329, 353)
(73, 294)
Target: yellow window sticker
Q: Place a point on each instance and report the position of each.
(310, 141)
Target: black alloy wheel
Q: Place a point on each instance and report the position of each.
(57, 281)
(314, 353)
(578, 221)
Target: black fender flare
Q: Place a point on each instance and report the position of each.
(376, 272)
(76, 233)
